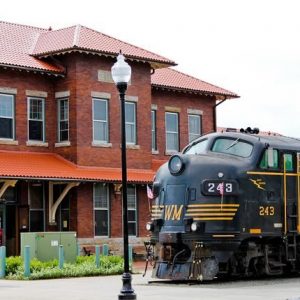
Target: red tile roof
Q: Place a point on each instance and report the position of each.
(83, 38)
(49, 166)
(16, 44)
(168, 78)
(23, 46)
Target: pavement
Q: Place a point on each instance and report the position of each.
(108, 287)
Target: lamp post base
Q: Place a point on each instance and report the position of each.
(127, 292)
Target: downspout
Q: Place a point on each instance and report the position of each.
(215, 113)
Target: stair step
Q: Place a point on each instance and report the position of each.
(275, 263)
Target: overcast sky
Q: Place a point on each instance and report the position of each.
(251, 47)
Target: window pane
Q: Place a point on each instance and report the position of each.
(35, 130)
(64, 109)
(101, 222)
(233, 147)
(153, 124)
(288, 158)
(172, 141)
(36, 220)
(129, 112)
(6, 106)
(171, 122)
(131, 200)
(194, 127)
(130, 133)
(6, 128)
(100, 195)
(36, 196)
(100, 110)
(100, 131)
(132, 229)
(36, 109)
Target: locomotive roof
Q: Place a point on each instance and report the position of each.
(279, 141)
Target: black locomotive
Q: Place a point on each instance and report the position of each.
(229, 204)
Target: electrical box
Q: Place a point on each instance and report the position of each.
(44, 245)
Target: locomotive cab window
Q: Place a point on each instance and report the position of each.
(269, 159)
(288, 160)
(231, 146)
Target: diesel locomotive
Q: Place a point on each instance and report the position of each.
(227, 205)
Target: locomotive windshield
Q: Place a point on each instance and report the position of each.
(197, 147)
(232, 146)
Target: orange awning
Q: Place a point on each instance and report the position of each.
(50, 166)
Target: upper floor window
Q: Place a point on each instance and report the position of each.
(194, 127)
(36, 119)
(153, 130)
(63, 120)
(172, 134)
(100, 120)
(7, 116)
(101, 209)
(130, 120)
(132, 211)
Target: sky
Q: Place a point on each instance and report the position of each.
(250, 47)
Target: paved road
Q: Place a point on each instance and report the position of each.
(107, 288)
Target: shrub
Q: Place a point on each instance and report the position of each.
(84, 266)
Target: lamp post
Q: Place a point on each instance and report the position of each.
(121, 73)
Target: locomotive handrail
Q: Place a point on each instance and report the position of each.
(298, 191)
(284, 196)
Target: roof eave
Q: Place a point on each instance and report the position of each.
(193, 91)
(155, 64)
(30, 69)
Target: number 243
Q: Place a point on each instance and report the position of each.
(266, 210)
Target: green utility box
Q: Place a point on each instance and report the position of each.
(44, 245)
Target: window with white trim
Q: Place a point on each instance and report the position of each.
(101, 209)
(172, 134)
(153, 130)
(100, 120)
(130, 122)
(36, 119)
(7, 117)
(194, 127)
(63, 120)
(132, 210)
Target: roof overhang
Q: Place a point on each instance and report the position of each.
(49, 166)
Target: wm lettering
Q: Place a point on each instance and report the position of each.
(173, 212)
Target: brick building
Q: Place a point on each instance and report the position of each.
(60, 131)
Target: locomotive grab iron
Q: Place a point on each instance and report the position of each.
(228, 204)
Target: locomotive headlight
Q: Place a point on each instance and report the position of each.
(194, 226)
(149, 226)
(176, 164)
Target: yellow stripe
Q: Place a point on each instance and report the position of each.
(255, 230)
(214, 219)
(270, 173)
(213, 205)
(210, 214)
(210, 209)
(223, 235)
(157, 206)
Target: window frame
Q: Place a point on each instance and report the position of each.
(153, 130)
(107, 209)
(196, 135)
(172, 132)
(135, 209)
(13, 118)
(106, 122)
(133, 124)
(59, 120)
(43, 118)
(36, 209)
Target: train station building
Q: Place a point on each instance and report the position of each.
(60, 154)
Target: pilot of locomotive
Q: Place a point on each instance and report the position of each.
(227, 204)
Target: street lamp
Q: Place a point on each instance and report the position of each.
(121, 73)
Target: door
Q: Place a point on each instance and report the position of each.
(290, 193)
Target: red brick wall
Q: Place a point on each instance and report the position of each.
(85, 217)
(143, 210)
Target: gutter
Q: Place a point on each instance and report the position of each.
(215, 113)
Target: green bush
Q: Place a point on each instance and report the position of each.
(84, 266)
